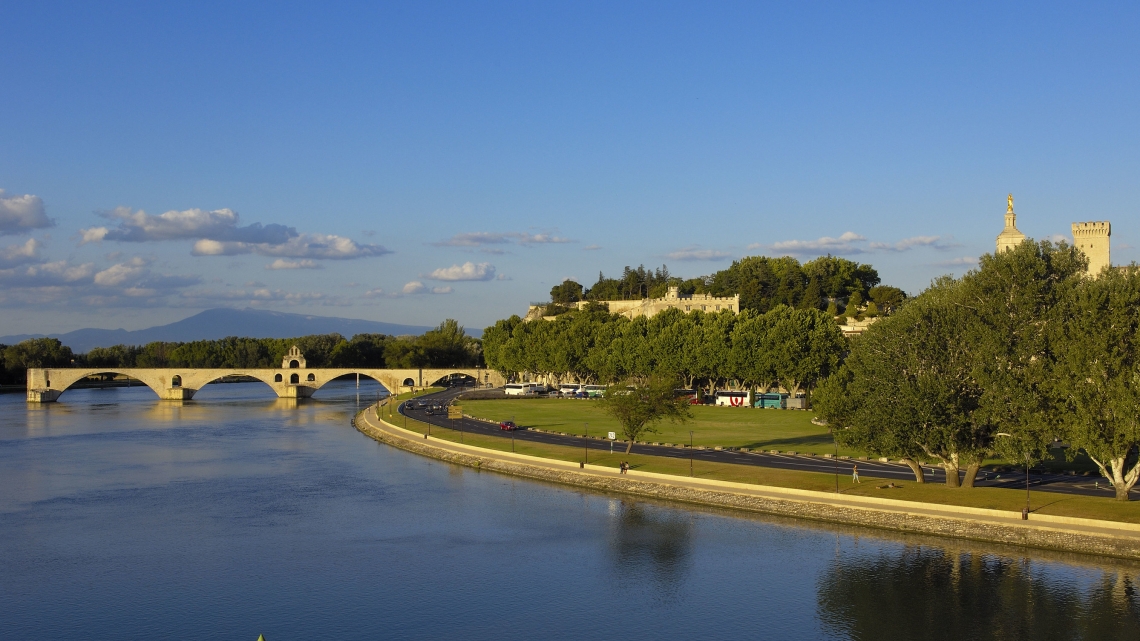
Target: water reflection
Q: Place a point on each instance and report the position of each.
(651, 543)
(942, 593)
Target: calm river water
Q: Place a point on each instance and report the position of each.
(124, 517)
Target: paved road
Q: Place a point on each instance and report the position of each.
(867, 469)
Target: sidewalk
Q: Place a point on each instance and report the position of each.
(1045, 531)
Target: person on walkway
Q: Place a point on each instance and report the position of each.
(855, 474)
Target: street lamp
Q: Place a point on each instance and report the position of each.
(690, 453)
(586, 440)
(1025, 512)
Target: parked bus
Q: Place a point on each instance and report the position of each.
(732, 399)
(523, 389)
(592, 391)
(568, 389)
(771, 399)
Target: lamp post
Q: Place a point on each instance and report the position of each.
(586, 440)
(835, 461)
(1025, 512)
(690, 453)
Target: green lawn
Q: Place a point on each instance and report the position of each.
(982, 497)
(766, 429)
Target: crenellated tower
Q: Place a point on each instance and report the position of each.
(1092, 238)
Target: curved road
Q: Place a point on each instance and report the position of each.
(868, 469)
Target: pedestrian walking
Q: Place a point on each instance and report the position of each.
(855, 474)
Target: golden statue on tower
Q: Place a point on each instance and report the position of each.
(1009, 204)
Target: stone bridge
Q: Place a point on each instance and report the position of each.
(293, 381)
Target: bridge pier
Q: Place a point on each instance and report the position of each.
(43, 395)
(178, 394)
(297, 391)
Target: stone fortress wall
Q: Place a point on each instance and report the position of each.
(652, 306)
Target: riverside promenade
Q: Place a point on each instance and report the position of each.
(1088, 536)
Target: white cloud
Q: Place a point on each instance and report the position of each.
(479, 238)
(466, 271)
(963, 261)
(118, 274)
(592, 247)
(189, 224)
(19, 214)
(693, 253)
(850, 243)
(92, 235)
(844, 244)
(503, 277)
(300, 246)
(281, 263)
(937, 242)
(20, 254)
(46, 274)
(416, 287)
(217, 233)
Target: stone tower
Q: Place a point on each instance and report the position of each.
(1010, 237)
(1092, 239)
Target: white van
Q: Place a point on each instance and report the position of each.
(732, 399)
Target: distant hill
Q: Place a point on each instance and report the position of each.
(220, 323)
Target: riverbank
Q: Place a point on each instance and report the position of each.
(1069, 534)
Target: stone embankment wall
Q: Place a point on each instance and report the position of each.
(1124, 542)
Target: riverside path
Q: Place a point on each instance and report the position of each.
(867, 468)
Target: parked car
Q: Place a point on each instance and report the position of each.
(508, 425)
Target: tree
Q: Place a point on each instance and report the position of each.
(565, 293)
(853, 305)
(906, 388)
(1098, 373)
(886, 298)
(35, 352)
(638, 408)
(1012, 300)
(805, 347)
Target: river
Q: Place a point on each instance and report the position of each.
(238, 514)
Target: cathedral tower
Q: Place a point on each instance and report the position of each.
(1010, 237)
(1092, 239)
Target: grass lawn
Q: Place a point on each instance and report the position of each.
(982, 497)
(766, 429)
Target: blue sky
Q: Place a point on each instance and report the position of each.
(417, 161)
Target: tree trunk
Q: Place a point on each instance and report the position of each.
(919, 476)
(628, 446)
(1121, 481)
(951, 468)
(971, 474)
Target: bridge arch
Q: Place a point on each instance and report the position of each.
(214, 377)
(64, 381)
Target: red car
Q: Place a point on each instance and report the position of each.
(508, 425)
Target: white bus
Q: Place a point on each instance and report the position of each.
(732, 399)
(594, 391)
(523, 389)
(568, 389)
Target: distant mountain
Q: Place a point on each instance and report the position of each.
(220, 323)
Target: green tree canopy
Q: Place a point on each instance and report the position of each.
(638, 407)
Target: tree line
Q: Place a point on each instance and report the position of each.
(1023, 354)
(763, 283)
(792, 348)
(447, 345)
